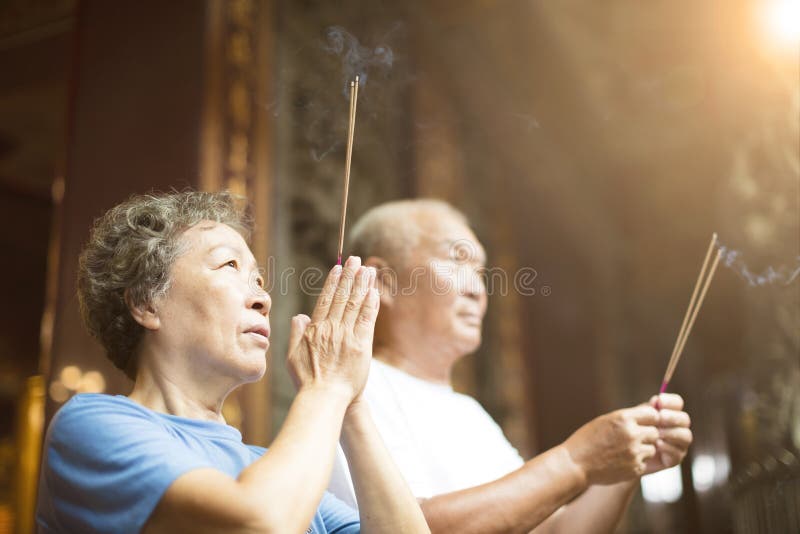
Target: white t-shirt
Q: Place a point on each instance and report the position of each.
(441, 441)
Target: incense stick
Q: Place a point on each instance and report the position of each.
(691, 313)
(668, 377)
(348, 159)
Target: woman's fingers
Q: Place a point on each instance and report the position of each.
(326, 297)
(296, 330)
(342, 294)
(363, 281)
(365, 323)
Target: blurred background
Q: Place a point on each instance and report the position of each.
(594, 145)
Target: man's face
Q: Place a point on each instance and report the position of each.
(441, 295)
(215, 311)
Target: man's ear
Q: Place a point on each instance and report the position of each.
(144, 314)
(385, 281)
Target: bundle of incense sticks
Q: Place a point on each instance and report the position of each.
(691, 313)
(348, 159)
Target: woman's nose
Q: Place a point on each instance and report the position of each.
(261, 301)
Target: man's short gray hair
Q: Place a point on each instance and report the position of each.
(131, 250)
(393, 229)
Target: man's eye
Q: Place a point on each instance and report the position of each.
(231, 263)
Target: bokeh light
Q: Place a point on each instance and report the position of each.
(71, 376)
(782, 19)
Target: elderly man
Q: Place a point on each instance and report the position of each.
(454, 457)
(169, 286)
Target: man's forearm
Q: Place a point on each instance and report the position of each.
(597, 510)
(384, 501)
(518, 502)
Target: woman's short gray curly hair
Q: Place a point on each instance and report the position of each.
(129, 254)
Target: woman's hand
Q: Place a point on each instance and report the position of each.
(333, 348)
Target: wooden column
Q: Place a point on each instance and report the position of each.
(163, 96)
(236, 149)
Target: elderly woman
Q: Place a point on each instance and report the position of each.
(170, 288)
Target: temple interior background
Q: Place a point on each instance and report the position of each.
(594, 146)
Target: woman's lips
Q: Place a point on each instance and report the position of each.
(259, 337)
(260, 333)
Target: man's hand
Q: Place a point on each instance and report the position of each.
(333, 347)
(617, 446)
(674, 433)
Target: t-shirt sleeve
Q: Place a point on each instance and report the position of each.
(107, 465)
(337, 516)
(341, 484)
(397, 435)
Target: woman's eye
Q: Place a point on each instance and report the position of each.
(231, 263)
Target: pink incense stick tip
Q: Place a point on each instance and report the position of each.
(339, 261)
(660, 391)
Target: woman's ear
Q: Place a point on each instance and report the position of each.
(385, 281)
(144, 314)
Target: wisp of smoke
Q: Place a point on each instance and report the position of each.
(356, 58)
(783, 275)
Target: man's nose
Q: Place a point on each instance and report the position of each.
(475, 287)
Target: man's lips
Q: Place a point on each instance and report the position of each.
(475, 318)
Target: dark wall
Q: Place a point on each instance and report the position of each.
(135, 120)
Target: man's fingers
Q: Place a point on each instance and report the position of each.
(365, 324)
(342, 294)
(669, 401)
(670, 418)
(326, 297)
(644, 414)
(669, 454)
(650, 434)
(363, 281)
(677, 436)
(646, 451)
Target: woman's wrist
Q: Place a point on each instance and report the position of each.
(339, 395)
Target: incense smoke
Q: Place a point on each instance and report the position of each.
(770, 276)
(356, 58)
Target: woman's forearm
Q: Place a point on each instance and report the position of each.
(293, 474)
(385, 502)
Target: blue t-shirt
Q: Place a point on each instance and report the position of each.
(108, 461)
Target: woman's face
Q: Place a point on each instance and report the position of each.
(216, 312)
